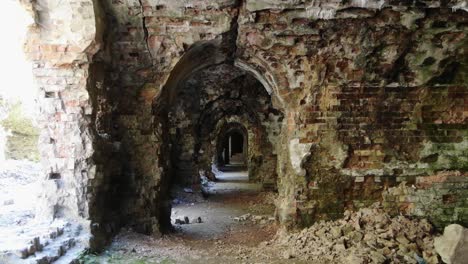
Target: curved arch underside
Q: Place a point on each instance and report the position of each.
(205, 54)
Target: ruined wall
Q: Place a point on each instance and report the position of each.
(376, 96)
(62, 40)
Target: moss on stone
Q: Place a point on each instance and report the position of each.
(23, 135)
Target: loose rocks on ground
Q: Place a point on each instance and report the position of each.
(369, 235)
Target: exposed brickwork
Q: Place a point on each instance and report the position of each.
(377, 106)
(440, 197)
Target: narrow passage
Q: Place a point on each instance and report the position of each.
(236, 217)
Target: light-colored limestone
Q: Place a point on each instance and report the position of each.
(452, 246)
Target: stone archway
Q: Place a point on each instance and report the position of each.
(206, 98)
(203, 100)
(201, 56)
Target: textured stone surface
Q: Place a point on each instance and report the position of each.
(360, 94)
(373, 98)
(61, 43)
(453, 245)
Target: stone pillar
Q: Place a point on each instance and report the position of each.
(61, 45)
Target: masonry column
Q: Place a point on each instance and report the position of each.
(61, 44)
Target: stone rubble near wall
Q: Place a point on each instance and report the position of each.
(366, 109)
(257, 219)
(452, 246)
(437, 196)
(369, 235)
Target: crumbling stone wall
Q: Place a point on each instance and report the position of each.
(62, 40)
(373, 95)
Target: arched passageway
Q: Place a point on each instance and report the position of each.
(222, 127)
(221, 115)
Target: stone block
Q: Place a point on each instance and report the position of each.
(452, 246)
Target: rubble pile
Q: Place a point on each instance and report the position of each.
(369, 235)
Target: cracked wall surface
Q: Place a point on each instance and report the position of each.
(373, 94)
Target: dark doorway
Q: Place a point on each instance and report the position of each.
(234, 148)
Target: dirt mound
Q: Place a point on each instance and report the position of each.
(369, 235)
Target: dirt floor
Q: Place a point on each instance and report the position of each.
(237, 225)
(18, 192)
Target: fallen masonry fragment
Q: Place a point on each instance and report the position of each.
(452, 246)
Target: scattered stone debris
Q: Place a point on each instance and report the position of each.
(8, 202)
(205, 194)
(242, 218)
(43, 243)
(205, 182)
(257, 219)
(188, 190)
(186, 196)
(287, 255)
(369, 235)
(187, 221)
(452, 246)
